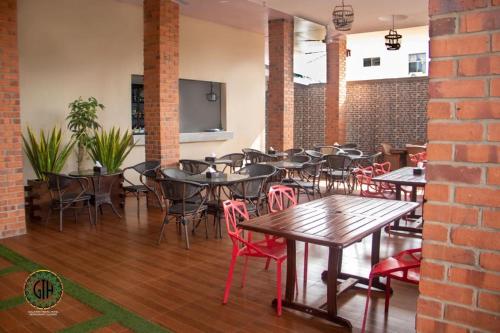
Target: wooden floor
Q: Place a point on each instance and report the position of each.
(182, 289)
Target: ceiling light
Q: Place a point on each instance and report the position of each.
(342, 17)
(392, 39)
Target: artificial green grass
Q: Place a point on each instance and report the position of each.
(111, 312)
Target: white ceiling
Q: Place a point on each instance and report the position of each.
(252, 15)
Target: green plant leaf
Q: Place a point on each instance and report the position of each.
(111, 148)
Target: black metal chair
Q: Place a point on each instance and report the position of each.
(350, 151)
(299, 158)
(63, 197)
(174, 173)
(237, 160)
(338, 171)
(251, 191)
(147, 177)
(257, 170)
(294, 151)
(179, 196)
(254, 157)
(348, 146)
(194, 166)
(249, 150)
(309, 181)
(103, 187)
(314, 155)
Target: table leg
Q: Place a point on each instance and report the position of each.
(290, 269)
(331, 286)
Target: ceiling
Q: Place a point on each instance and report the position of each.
(252, 15)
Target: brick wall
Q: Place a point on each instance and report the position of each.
(460, 283)
(161, 80)
(280, 95)
(390, 110)
(309, 117)
(12, 220)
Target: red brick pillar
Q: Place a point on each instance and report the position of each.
(460, 281)
(336, 90)
(12, 221)
(161, 80)
(280, 100)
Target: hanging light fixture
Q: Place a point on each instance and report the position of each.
(342, 17)
(392, 39)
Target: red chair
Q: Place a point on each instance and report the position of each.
(234, 211)
(419, 157)
(383, 168)
(368, 188)
(404, 266)
(282, 197)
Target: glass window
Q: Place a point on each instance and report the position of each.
(417, 63)
(369, 62)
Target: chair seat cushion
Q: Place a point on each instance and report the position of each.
(69, 197)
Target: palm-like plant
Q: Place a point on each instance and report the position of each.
(111, 148)
(82, 121)
(46, 153)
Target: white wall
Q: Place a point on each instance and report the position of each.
(72, 48)
(393, 64)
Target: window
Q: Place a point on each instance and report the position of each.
(369, 62)
(417, 63)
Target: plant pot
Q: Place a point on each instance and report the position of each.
(37, 200)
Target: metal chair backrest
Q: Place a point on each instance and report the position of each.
(257, 170)
(147, 168)
(348, 146)
(175, 173)
(249, 188)
(234, 212)
(105, 183)
(179, 191)
(299, 158)
(236, 158)
(254, 157)
(58, 182)
(356, 152)
(338, 162)
(194, 166)
(312, 170)
(294, 151)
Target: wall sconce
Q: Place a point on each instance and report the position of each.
(212, 96)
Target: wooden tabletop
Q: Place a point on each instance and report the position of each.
(403, 176)
(336, 220)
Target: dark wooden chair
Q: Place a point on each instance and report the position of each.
(147, 177)
(63, 195)
(182, 203)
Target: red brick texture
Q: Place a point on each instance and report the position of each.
(336, 91)
(280, 93)
(12, 220)
(460, 281)
(161, 80)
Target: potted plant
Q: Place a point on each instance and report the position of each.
(82, 121)
(46, 153)
(111, 148)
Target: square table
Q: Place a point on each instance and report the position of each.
(335, 221)
(404, 177)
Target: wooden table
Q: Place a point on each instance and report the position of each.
(404, 177)
(335, 221)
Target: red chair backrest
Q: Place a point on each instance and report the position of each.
(382, 168)
(281, 197)
(233, 212)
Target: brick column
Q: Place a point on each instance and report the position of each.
(12, 221)
(460, 281)
(336, 90)
(161, 80)
(280, 99)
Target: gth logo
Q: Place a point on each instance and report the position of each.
(43, 289)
